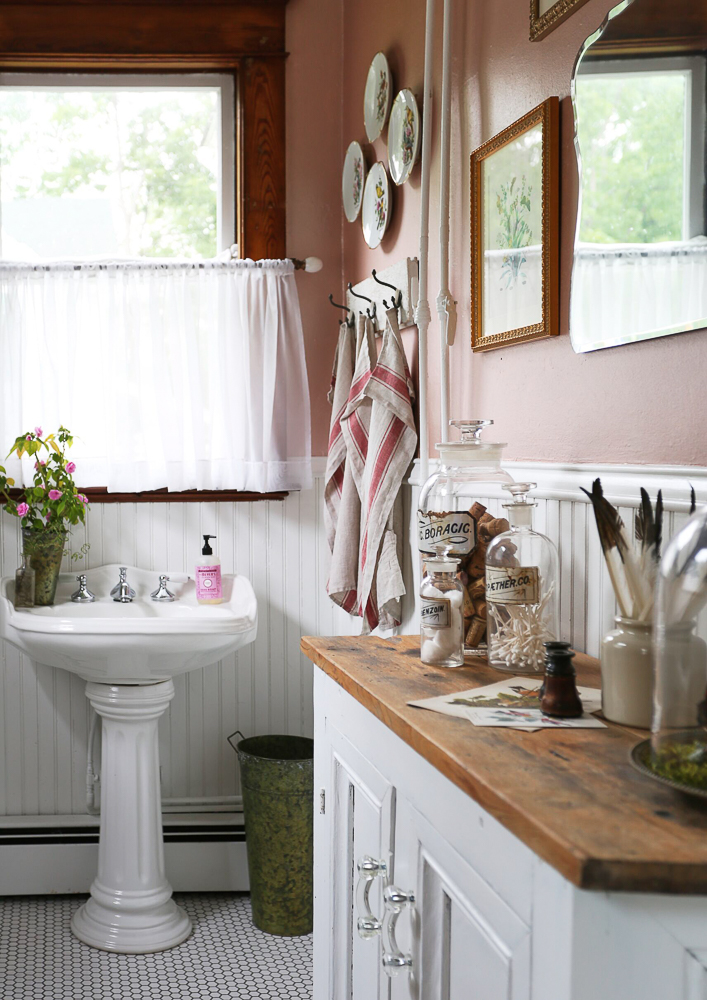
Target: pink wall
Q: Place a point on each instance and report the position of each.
(637, 403)
(314, 214)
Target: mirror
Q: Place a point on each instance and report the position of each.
(640, 258)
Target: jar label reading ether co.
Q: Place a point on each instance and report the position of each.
(456, 528)
(435, 613)
(512, 584)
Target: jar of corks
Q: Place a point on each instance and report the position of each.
(453, 509)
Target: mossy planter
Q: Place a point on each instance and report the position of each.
(277, 775)
(45, 549)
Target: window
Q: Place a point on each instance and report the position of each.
(641, 130)
(127, 312)
(116, 166)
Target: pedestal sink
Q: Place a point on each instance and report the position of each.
(128, 654)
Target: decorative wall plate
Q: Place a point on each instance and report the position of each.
(403, 136)
(375, 213)
(377, 96)
(352, 180)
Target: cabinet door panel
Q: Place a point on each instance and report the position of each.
(362, 825)
(465, 942)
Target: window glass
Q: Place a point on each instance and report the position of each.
(110, 171)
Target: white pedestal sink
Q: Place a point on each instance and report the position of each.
(128, 654)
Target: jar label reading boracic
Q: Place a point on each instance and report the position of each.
(457, 528)
(512, 584)
(435, 613)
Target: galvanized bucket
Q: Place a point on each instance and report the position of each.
(277, 777)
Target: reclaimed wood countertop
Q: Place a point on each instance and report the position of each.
(571, 795)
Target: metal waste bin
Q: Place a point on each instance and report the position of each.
(277, 778)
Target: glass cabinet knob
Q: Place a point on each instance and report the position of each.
(369, 869)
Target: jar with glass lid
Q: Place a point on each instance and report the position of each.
(451, 510)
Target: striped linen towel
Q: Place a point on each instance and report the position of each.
(342, 504)
(392, 440)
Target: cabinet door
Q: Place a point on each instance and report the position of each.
(360, 810)
(463, 940)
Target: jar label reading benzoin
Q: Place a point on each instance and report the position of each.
(435, 613)
(512, 584)
(455, 528)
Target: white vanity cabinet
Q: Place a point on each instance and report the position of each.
(476, 913)
(459, 932)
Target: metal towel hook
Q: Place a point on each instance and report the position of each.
(371, 313)
(396, 301)
(350, 321)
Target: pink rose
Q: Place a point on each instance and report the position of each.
(22, 509)
(38, 431)
(83, 498)
(39, 464)
(47, 516)
(55, 494)
(71, 467)
(29, 437)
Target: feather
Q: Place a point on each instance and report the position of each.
(693, 500)
(630, 586)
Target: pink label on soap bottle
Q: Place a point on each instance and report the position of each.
(208, 583)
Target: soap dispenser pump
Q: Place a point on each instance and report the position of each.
(209, 589)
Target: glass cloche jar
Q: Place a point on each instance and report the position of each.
(451, 511)
(677, 750)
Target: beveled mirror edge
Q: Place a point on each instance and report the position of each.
(699, 324)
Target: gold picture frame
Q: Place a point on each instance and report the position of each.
(544, 18)
(515, 232)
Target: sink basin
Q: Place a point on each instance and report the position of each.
(137, 643)
(128, 654)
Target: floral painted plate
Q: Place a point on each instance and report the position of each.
(375, 213)
(403, 136)
(377, 96)
(352, 181)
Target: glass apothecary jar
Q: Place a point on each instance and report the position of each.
(522, 589)
(451, 511)
(441, 600)
(677, 750)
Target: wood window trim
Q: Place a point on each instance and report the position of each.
(100, 494)
(243, 37)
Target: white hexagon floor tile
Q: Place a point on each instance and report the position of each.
(226, 958)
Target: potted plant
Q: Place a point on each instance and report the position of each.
(47, 506)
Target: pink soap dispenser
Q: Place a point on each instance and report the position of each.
(208, 576)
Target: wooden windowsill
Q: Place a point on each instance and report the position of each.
(100, 494)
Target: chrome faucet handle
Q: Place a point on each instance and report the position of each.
(119, 592)
(162, 593)
(83, 595)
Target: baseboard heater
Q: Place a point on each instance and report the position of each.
(202, 854)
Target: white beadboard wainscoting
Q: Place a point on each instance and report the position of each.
(266, 687)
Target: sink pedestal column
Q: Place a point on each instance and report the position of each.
(131, 909)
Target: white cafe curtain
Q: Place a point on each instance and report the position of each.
(185, 375)
(629, 291)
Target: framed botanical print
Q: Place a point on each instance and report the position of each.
(547, 14)
(515, 194)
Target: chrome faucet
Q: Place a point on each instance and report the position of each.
(122, 591)
(83, 595)
(162, 593)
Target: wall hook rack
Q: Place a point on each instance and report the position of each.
(402, 278)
